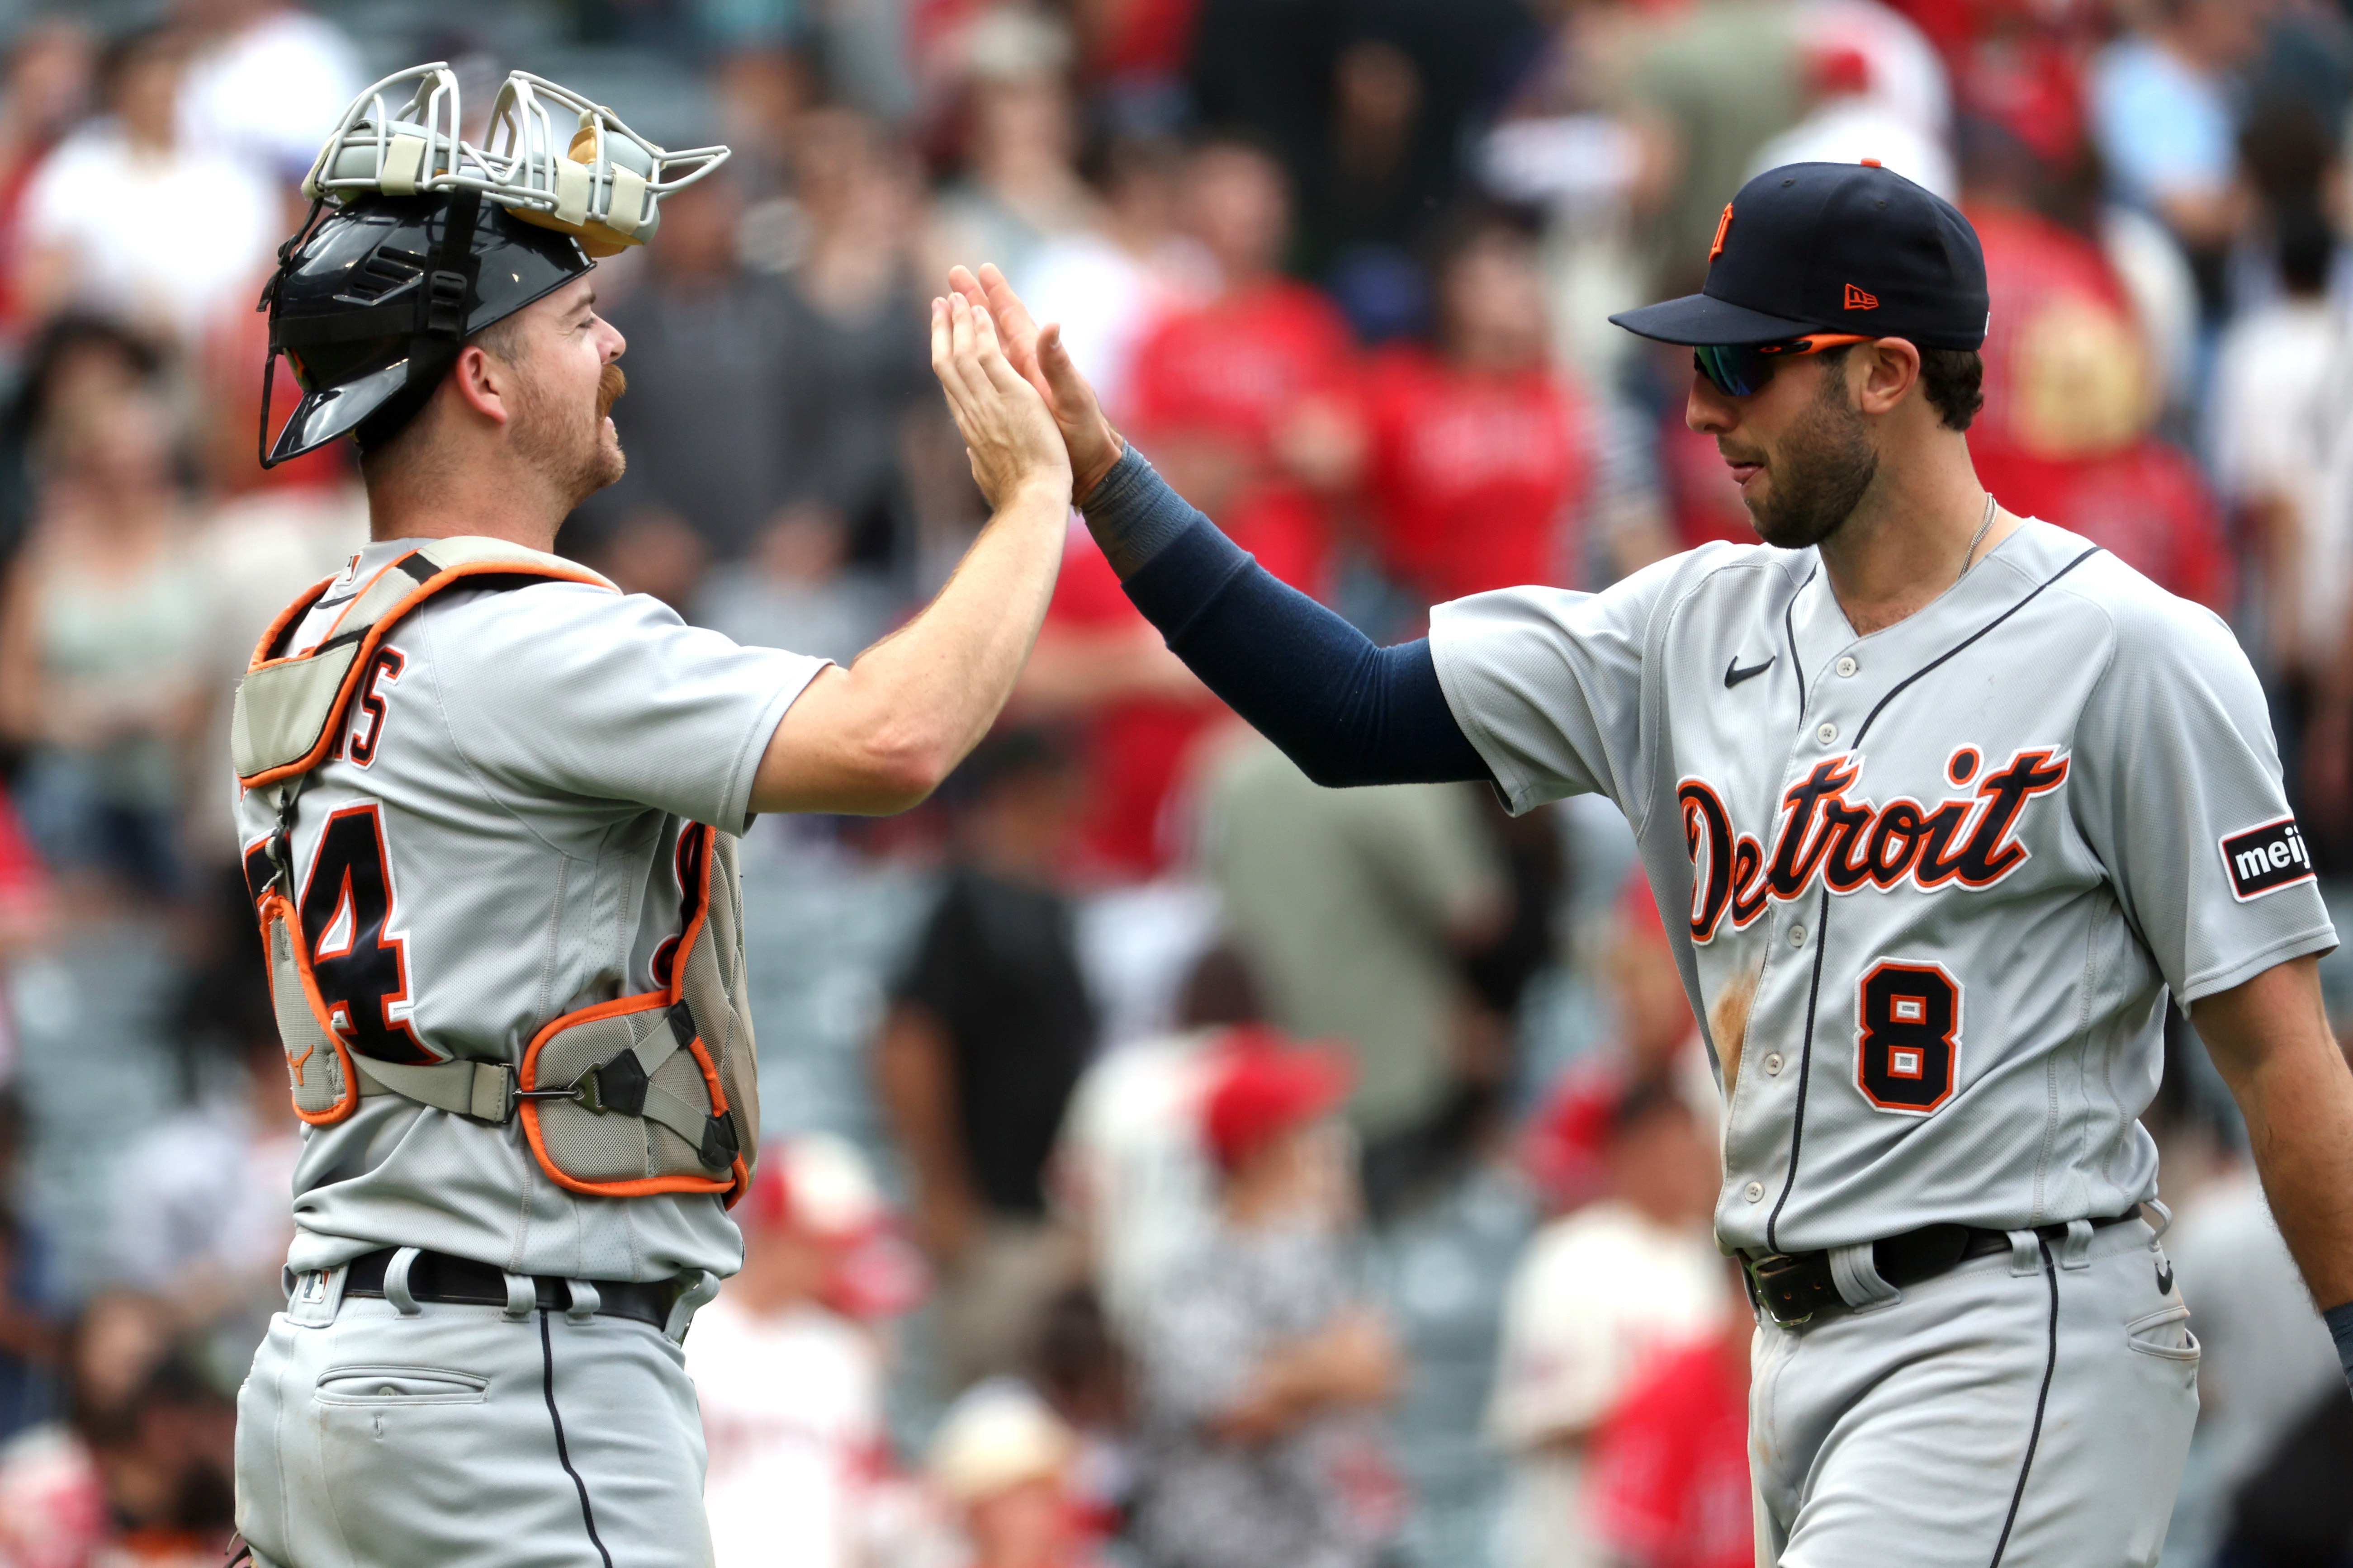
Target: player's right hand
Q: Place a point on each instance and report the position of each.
(1038, 355)
(1011, 440)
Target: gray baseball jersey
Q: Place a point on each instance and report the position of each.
(493, 844)
(1928, 887)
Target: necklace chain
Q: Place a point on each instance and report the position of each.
(1968, 557)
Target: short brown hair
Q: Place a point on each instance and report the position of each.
(1953, 380)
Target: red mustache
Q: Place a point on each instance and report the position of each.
(610, 384)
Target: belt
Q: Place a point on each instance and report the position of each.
(461, 1281)
(1795, 1288)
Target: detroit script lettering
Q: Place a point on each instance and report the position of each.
(1850, 843)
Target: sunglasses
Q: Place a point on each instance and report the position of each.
(1741, 369)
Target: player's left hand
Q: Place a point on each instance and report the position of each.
(1012, 441)
(1038, 355)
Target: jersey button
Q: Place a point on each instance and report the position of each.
(1754, 1192)
(1827, 734)
(1772, 1064)
(1797, 936)
(1846, 666)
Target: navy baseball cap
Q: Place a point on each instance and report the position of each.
(1838, 248)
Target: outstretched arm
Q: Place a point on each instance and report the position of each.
(2270, 1039)
(1347, 711)
(879, 736)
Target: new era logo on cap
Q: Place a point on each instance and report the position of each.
(2267, 858)
(1858, 299)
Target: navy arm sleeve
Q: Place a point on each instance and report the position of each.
(1347, 711)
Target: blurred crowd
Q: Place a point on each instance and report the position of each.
(1178, 1164)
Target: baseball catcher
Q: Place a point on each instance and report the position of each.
(489, 807)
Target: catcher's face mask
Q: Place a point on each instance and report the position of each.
(417, 238)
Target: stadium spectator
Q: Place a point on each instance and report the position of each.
(1131, 1168)
(1387, 167)
(227, 371)
(708, 432)
(1653, 1037)
(199, 1207)
(1100, 668)
(1134, 55)
(2276, 422)
(29, 1337)
(2290, 1511)
(790, 1379)
(1241, 402)
(1261, 1363)
(97, 638)
(1569, 145)
(1667, 1476)
(2164, 115)
(45, 89)
(27, 903)
(2282, 463)
(1001, 1460)
(59, 1494)
(857, 385)
(1595, 1300)
(2267, 1358)
(1484, 460)
(1244, 403)
(1907, 75)
(1355, 907)
(1081, 1370)
(988, 1030)
(1674, 87)
(2068, 428)
(798, 590)
(1852, 119)
(1114, 284)
(265, 79)
(1020, 188)
(90, 215)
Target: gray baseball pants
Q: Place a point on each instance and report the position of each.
(464, 1437)
(2028, 1409)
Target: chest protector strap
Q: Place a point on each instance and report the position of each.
(649, 1093)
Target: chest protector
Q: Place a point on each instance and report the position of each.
(649, 1093)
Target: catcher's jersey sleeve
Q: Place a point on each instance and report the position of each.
(2179, 794)
(566, 693)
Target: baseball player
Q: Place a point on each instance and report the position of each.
(488, 811)
(1942, 804)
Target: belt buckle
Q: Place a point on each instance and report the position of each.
(1772, 1275)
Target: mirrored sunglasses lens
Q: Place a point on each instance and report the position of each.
(1735, 370)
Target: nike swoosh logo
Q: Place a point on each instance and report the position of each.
(2165, 1278)
(1733, 675)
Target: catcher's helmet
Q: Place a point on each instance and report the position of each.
(418, 239)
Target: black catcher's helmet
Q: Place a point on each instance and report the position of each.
(418, 239)
(372, 302)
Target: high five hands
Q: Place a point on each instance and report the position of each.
(1037, 354)
(1013, 444)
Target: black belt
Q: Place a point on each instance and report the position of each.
(1795, 1288)
(461, 1281)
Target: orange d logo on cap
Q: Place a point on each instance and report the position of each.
(1723, 228)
